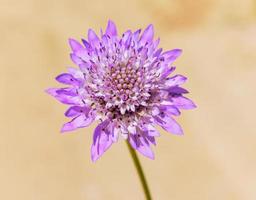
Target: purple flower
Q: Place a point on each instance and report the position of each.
(125, 83)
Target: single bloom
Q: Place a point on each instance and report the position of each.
(126, 83)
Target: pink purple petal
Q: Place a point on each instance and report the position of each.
(111, 29)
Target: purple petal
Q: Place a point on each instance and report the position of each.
(136, 35)
(147, 35)
(158, 52)
(74, 111)
(78, 122)
(172, 55)
(145, 150)
(101, 140)
(93, 38)
(167, 72)
(111, 29)
(76, 73)
(63, 96)
(114, 131)
(68, 79)
(156, 43)
(86, 44)
(76, 59)
(177, 90)
(125, 36)
(169, 124)
(139, 144)
(183, 103)
(75, 45)
(150, 130)
(83, 55)
(175, 80)
(152, 140)
(70, 92)
(170, 109)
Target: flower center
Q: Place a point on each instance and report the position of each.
(126, 81)
(124, 89)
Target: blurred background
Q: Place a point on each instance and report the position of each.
(214, 160)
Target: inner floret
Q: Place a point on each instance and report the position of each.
(125, 90)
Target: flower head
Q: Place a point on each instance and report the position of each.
(125, 83)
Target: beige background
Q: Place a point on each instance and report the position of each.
(214, 160)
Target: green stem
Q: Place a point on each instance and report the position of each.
(139, 171)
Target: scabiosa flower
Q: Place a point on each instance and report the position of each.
(126, 84)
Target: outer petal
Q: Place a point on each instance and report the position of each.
(86, 44)
(147, 35)
(101, 140)
(76, 73)
(76, 59)
(139, 144)
(170, 110)
(111, 29)
(74, 111)
(136, 35)
(114, 130)
(183, 103)
(68, 79)
(172, 55)
(78, 122)
(167, 71)
(177, 90)
(126, 36)
(175, 80)
(65, 96)
(150, 130)
(169, 124)
(93, 38)
(75, 45)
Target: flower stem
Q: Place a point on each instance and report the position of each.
(139, 171)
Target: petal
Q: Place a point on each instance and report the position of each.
(183, 102)
(71, 92)
(83, 55)
(145, 150)
(78, 122)
(170, 109)
(86, 44)
(177, 90)
(76, 73)
(152, 139)
(101, 140)
(136, 35)
(175, 80)
(141, 146)
(114, 130)
(157, 53)
(93, 38)
(166, 72)
(68, 79)
(156, 43)
(147, 35)
(169, 124)
(111, 29)
(172, 55)
(75, 45)
(150, 130)
(63, 96)
(126, 36)
(74, 111)
(76, 59)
